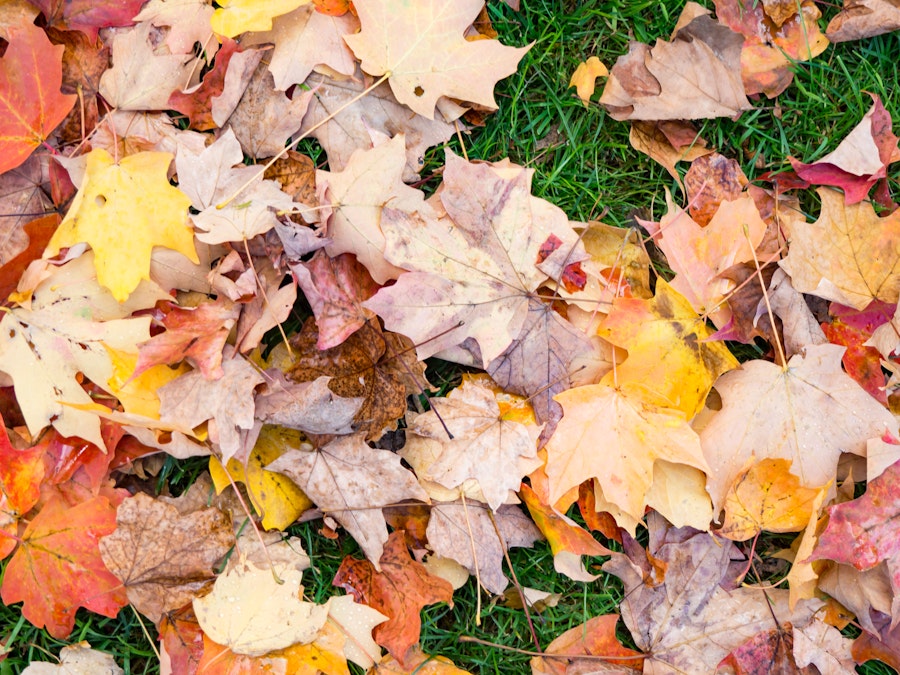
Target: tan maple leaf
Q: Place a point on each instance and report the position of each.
(809, 413)
(484, 447)
(473, 254)
(440, 61)
(352, 482)
(616, 438)
(849, 255)
(165, 558)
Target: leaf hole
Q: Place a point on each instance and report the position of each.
(100, 200)
(418, 91)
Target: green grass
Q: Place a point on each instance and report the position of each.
(584, 164)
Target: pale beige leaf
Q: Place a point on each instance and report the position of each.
(419, 74)
(356, 622)
(251, 613)
(77, 659)
(809, 413)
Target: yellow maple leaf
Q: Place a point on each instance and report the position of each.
(273, 494)
(234, 17)
(670, 363)
(584, 79)
(138, 394)
(122, 211)
(767, 496)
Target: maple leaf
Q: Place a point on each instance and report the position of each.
(21, 473)
(249, 611)
(770, 412)
(194, 333)
(377, 479)
(475, 537)
(86, 15)
(77, 659)
(343, 123)
(135, 190)
(465, 437)
(58, 568)
(595, 638)
(143, 75)
(696, 75)
(584, 79)
(848, 255)
(357, 197)
(863, 533)
(31, 105)
(210, 176)
(772, 44)
(378, 366)
(227, 403)
(766, 496)
(335, 289)
(861, 159)
(418, 74)
(188, 22)
(163, 557)
(197, 102)
(71, 323)
(699, 254)
(482, 272)
(711, 180)
(274, 497)
(863, 18)
(234, 17)
(399, 591)
(853, 329)
(307, 38)
(668, 142)
(265, 118)
(694, 616)
(671, 361)
(634, 435)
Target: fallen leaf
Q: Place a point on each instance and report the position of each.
(86, 15)
(695, 616)
(418, 74)
(197, 101)
(335, 288)
(848, 255)
(861, 19)
(711, 180)
(594, 639)
(77, 659)
(861, 159)
(234, 17)
(164, 558)
(378, 366)
(400, 590)
(352, 482)
(770, 412)
(343, 123)
(584, 79)
(697, 75)
(634, 435)
(197, 334)
(31, 105)
(862, 532)
(274, 496)
(474, 280)
(21, 474)
(672, 362)
(57, 567)
(465, 437)
(71, 323)
(227, 403)
(188, 22)
(358, 196)
(135, 190)
(475, 537)
(655, 139)
(143, 75)
(699, 254)
(766, 496)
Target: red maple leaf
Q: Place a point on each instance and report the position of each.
(31, 104)
(58, 568)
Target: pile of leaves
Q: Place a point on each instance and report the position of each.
(160, 235)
